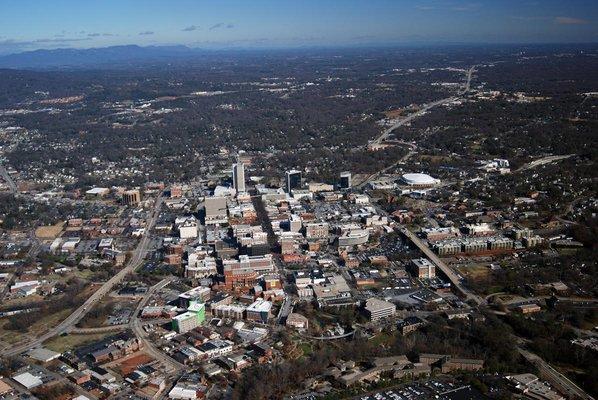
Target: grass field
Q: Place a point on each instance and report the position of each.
(41, 325)
(306, 348)
(474, 271)
(69, 342)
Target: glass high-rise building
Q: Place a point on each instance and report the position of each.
(293, 180)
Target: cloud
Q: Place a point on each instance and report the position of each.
(466, 7)
(449, 6)
(95, 34)
(221, 25)
(530, 18)
(144, 33)
(56, 40)
(570, 21)
(191, 28)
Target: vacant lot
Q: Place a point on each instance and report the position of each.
(127, 365)
(69, 342)
(474, 271)
(49, 232)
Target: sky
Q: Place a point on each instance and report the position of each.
(42, 24)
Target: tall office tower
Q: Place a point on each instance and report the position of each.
(239, 176)
(345, 181)
(293, 180)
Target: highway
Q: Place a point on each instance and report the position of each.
(561, 382)
(134, 262)
(455, 281)
(427, 107)
(8, 179)
(543, 161)
(410, 118)
(467, 85)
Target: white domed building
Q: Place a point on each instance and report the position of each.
(419, 180)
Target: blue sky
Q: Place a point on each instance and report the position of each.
(29, 24)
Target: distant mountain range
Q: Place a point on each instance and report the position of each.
(96, 57)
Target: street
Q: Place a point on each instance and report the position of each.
(75, 317)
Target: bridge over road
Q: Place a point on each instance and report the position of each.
(446, 270)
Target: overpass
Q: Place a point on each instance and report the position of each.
(446, 270)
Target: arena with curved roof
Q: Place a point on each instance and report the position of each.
(419, 180)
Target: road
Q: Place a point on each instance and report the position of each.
(149, 294)
(56, 377)
(136, 326)
(8, 179)
(561, 382)
(285, 309)
(100, 329)
(423, 247)
(134, 262)
(376, 175)
(467, 85)
(410, 118)
(455, 281)
(543, 161)
(570, 207)
(427, 107)
(6, 287)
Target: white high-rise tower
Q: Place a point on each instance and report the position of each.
(239, 176)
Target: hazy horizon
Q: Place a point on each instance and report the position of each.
(286, 24)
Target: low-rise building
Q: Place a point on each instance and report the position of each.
(317, 230)
(377, 309)
(410, 324)
(297, 321)
(423, 268)
(190, 319)
(532, 387)
(354, 238)
(216, 348)
(259, 311)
